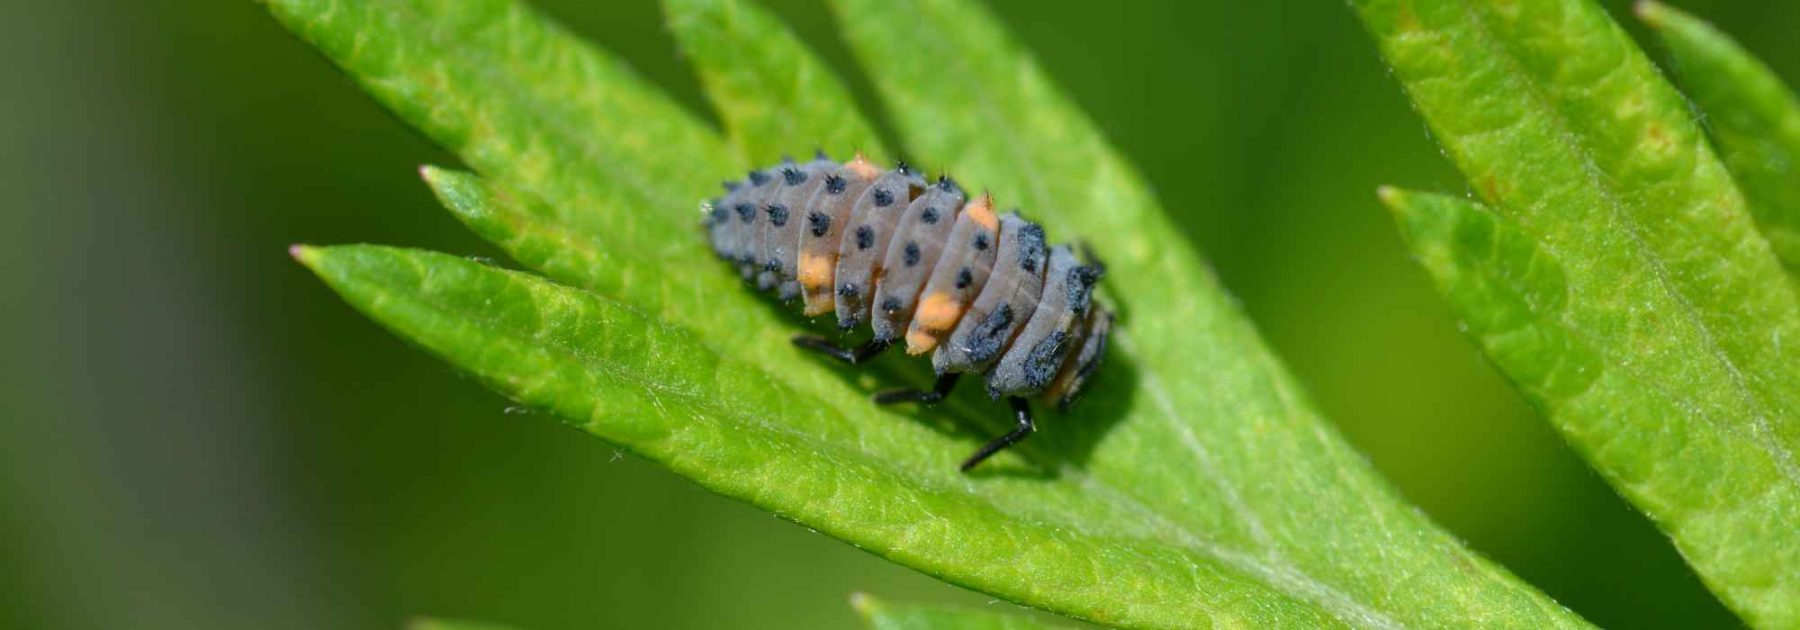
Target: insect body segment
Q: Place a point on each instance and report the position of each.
(925, 266)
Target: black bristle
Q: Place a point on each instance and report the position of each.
(792, 176)
(835, 185)
(758, 178)
(819, 154)
(900, 165)
(731, 187)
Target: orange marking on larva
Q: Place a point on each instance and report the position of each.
(981, 210)
(937, 314)
(939, 311)
(816, 270)
(919, 342)
(862, 168)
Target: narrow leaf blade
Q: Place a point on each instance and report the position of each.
(654, 389)
(1752, 117)
(1216, 436)
(775, 96)
(1676, 306)
(882, 615)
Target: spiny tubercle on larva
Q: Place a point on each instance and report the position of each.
(921, 263)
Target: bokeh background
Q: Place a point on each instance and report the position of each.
(197, 434)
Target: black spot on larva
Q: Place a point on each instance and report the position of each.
(964, 278)
(745, 212)
(720, 215)
(883, 198)
(890, 305)
(900, 165)
(778, 214)
(1040, 366)
(758, 178)
(910, 255)
(818, 223)
(1031, 247)
(982, 241)
(945, 183)
(929, 216)
(793, 176)
(772, 264)
(984, 341)
(730, 186)
(865, 237)
(1081, 286)
(819, 154)
(849, 290)
(835, 185)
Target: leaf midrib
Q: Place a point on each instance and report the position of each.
(1553, 115)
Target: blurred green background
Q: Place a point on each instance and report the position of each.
(197, 434)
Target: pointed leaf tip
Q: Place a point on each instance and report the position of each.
(304, 254)
(1391, 196)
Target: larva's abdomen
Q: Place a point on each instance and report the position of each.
(737, 238)
(827, 216)
(1006, 302)
(919, 238)
(778, 247)
(1036, 355)
(1084, 359)
(873, 218)
(958, 276)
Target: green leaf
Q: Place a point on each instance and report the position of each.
(773, 94)
(1194, 486)
(881, 615)
(1752, 117)
(1629, 294)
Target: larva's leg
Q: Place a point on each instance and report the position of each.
(851, 356)
(1022, 413)
(939, 390)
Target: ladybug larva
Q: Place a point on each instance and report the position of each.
(920, 263)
